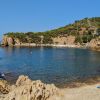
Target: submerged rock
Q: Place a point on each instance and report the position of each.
(26, 89)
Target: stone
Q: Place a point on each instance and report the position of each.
(26, 89)
(4, 87)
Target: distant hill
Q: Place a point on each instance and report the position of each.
(83, 30)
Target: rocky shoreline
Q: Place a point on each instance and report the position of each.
(12, 42)
(48, 45)
(94, 44)
(26, 89)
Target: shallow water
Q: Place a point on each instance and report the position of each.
(51, 65)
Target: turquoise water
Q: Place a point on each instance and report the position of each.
(51, 65)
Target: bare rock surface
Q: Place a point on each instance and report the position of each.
(26, 89)
(4, 87)
(64, 40)
(94, 44)
(8, 41)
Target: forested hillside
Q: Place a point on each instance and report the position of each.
(84, 30)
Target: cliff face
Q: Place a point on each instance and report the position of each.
(7, 41)
(94, 43)
(70, 40)
(60, 40)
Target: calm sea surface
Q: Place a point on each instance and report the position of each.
(51, 65)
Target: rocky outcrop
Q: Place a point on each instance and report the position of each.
(64, 40)
(4, 87)
(17, 41)
(8, 41)
(26, 89)
(4, 41)
(94, 44)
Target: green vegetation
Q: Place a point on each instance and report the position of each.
(84, 30)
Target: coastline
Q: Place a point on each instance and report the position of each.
(11, 78)
(87, 92)
(83, 92)
(55, 46)
(78, 90)
(48, 45)
(83, 82)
